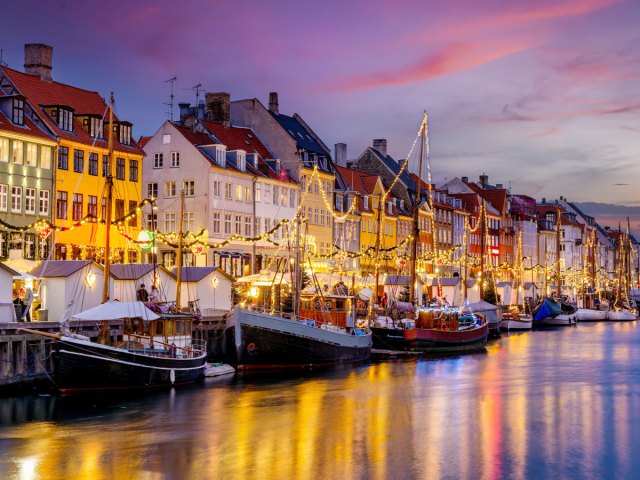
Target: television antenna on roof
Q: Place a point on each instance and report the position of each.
(197, 89)
(2, 62)
(170, 104)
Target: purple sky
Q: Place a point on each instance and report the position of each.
(541, 94)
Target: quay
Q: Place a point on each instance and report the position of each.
(25, 358)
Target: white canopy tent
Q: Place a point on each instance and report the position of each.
(114, 310)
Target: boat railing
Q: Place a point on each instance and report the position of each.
(196, 349)
(307, 321)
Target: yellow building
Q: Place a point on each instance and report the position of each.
(316, 204)
(79, 118)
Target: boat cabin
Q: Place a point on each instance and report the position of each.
(328, 309)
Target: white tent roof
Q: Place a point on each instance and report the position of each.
(114, 310)
(483, 306)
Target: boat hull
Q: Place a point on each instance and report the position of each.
(621, 315)
(388, 338)
(562, 320)
(266, 342)
(590, 315)
(521, 323)
(83, 366)
(435, 341)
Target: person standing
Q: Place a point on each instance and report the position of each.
(28, 301)
(142, 294)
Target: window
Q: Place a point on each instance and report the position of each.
(189, 187)
(257, 227)
(16, 199)
(120, 168)
(76, 208)
(4, 194)
(364, 226)
(30, 200)
(158, 160)
(65, 119)
(247, 226)
(44, 202)
(4, 150)
(61, 205)
(133, 170)
(169, 189)
(216, 222)
(315, 186)
(32, 155)
(152, 220)
(247, 194)
(284, 196)
(227, 223)
(93, 164)
(303, 183)
(18, 154)
(92, 206)
(175, 159)
(267, 225)
(169, 222)
(276, 195)
(95, 129)
(238, 229)
(315, 216)
(63, 158)
(106, 168)
(17, 112)
(166, 139)
(267, 193)
(152, 190)
(238, 193)
(125, 134)
(188, 221)
(216, 188)
(119, 209)
(133, 221)
(78, 161)
(292, 198)
(227, 191)
(258, 192)
(103, 207)
(322, 216)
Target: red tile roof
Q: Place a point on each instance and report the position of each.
(238, 138)
(84, 102)
(29, 128)
(362, 182)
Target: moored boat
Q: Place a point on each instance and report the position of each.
(262, 341)
(514, 320)
(550, 313)
(621, 315)
(590, 315)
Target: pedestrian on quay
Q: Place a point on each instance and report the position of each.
(28, 301)
(142, 294)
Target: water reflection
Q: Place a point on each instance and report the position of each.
(546, 404)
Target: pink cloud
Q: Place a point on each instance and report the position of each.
(449, 59)
(547, 132)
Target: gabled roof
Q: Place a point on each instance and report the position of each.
(237, 138)
(195, 274)
(29, 128)
(357, 180)
(392, 165)
(130, 271)
(304, 140)
(497, 197)
(142, 141)
(9, 270)
(84, 102)
(60, 268)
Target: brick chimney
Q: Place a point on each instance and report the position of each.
(38, 60)
(465, 179)
(218, 107)
(273, 103)
(380, 144)
(341, 154)
(484, 180)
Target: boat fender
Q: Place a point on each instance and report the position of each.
(172, 376)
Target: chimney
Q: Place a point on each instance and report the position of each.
(185, 112)
(499, 185)
(273, 103)
(465, 179)
(341, 154)
(38, 61)
(218, 107)
(380, 144)
(484, 180)
(544, 200)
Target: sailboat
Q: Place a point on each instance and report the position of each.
(435, 331)
(587, 306)
(621, 310)
(153, 352)
(551, 312)
(262, 340)
(517, 318)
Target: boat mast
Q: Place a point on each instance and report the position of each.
(377, 254)
(416, 215)
(558, 253)
(108, 213)
(483, 216)
(466, 257)
(179, 259)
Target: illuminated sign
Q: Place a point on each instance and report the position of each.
(145, 239)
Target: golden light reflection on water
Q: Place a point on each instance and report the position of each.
(560, 404)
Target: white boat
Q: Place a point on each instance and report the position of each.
(591, 315)
(621, 315)
(218, 369)
(516, 321)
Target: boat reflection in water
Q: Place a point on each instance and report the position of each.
(533, 406)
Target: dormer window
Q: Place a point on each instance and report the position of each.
(95, 127)
(17, 112)
(241, 161)
(221, 155)
(124, 134)
(65, 119)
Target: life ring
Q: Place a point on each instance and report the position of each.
(251, 348)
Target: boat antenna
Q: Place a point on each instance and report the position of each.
(170, 104)
(109, 187)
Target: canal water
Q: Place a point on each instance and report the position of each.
(561, 403)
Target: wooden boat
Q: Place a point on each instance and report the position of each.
(550, 313)
(515, 320)
(262, 341)
(153, 351)
(590, 315)
(620, 314)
